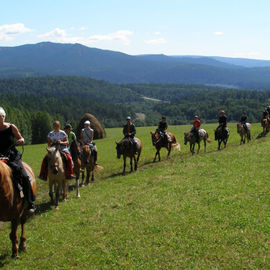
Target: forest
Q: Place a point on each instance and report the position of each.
(33, 103)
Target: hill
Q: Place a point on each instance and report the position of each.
(208, 211)
(56, 59)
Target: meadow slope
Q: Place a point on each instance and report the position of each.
(207, 211)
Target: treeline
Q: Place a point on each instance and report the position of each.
(33, 103)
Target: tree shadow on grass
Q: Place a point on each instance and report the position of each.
(3, 259)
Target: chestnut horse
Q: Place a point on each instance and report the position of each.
(75, 154)
(158, 142)
(12, 207)
(88, 164)
(126, 148)
(244, 134)
(56, 175)
(265, 125)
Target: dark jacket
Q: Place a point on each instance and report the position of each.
(222, 120)
(162, 126)
(243, 119)
(132, 130)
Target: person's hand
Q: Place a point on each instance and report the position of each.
(20, 141)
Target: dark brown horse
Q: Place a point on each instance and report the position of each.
(222, 135)
(126, 148)
(75, 154)
(158, 142)
(12, 207)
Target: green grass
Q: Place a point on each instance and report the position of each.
(207, 211)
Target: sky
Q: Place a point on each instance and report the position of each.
(230, 28)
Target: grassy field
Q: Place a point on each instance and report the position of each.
(207, 211)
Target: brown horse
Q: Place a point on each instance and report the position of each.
(191, 138)
(75, 154)
(126, 148)
(158, 142)
(88, 164)
(56, 175)
(12, 207)
(265, 125)
(244, 134)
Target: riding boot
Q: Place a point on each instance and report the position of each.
(69, 167)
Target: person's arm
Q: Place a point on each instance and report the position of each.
(92, 136)
(17, 135)
(133, 131)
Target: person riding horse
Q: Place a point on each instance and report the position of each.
(195, 128)
(71, 135)
(87, 136)
(222, 123)
(162, 130)
(243, 121)
(8, 133)
(129, 132)
(57, 137)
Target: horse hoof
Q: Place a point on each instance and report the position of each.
(79, 196)
(56, 207)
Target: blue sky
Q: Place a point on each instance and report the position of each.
(233, 28)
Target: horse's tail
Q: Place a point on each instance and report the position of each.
(177, 146)
(6, 182)
(207, 138)
(98, 168)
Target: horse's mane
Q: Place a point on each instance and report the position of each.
(6, 186)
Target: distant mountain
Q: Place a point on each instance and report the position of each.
(54, 59)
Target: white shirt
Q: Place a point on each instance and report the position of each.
(59, 135)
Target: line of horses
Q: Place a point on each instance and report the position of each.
(13, 208)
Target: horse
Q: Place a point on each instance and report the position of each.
(125, 147)
(158, 142)
(222, 135)
(12, 207)
(56, 175)
(75, 154)
(265, 125)
(244, 134)
(192, 139)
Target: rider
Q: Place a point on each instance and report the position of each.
(8, 134)
(129, 131)
(196, 126)
(71, 135)
(162, 130)
(222, 122)
(57, 136)
(87, 136)
(243, 121)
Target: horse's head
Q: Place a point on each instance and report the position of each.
(54, 159)
(86, 154)
(119, 149)
(155, 137)
(186, 137)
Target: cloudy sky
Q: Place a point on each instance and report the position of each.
(234, 28)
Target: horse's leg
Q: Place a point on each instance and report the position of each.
(219, 143)
(93, 175)
(135, 163)
(87, 176)
(169, 150)
(77, 187)
(13, 238)
(159, 155)
(124, 169)
(51, 190)
(57, 195)
(64, 187)
(82, 183)
(155, 156)
(199, 146)
(22, 246)
(204, 141)
(131, 165)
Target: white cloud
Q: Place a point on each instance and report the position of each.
(82, 28)
(60, 35)
(157, 33)
(218, 33)
(56, 34)
(9, 31)
(156, 41)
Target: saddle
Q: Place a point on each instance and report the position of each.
(16, 184)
